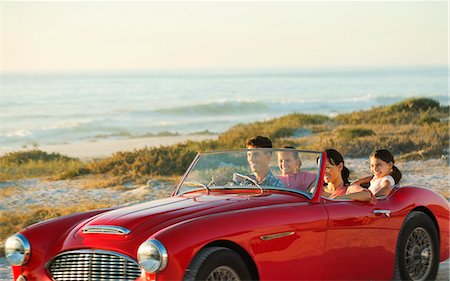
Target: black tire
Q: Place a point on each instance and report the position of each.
(217, 263)
(417, 256)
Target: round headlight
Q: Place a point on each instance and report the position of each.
(17, 249)
(152, 256)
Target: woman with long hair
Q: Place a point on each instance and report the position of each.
(335, 175)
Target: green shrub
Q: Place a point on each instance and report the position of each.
(35, 163)
(166, 161)
(406, 112)
(414, 104)
(426, 118)
(34, 155)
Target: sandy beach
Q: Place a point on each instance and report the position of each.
(102, 148)
(28, 193)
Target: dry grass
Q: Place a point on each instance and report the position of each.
(122, 183)
(13, 221)
(410, 142)
(103, 181)
(7, 191)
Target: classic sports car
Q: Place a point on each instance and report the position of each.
(223, 224)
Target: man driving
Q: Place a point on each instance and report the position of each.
(259, 162)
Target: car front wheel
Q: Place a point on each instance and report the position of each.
(417, 255)
(217, 264)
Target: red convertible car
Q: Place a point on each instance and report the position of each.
(223, 224)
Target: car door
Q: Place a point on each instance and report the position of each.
(290, 245)
(361, 239)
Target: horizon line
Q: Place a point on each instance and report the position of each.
(223, 69)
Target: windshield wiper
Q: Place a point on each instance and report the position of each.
(250, 180)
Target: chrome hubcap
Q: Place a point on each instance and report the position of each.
(223, 273)
(418, 254)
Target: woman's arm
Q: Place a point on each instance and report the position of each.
(363, 195)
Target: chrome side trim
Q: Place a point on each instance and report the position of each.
(105, 229)
(387, 213)
(276, 235)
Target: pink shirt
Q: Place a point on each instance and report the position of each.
(300, 180)
(341, 190)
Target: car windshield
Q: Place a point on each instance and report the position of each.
(253, 170)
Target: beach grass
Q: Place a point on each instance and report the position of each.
(35, 163)
(412, 129)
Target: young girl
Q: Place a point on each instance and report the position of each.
(289, 163)
(385, 176)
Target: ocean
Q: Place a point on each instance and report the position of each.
(42, 109)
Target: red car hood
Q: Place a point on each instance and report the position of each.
(151, 216)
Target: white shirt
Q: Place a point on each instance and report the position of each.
(375, 183)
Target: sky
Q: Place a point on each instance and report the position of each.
(90, 36)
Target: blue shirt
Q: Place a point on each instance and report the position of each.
(270, 180)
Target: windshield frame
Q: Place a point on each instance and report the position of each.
(317, 184)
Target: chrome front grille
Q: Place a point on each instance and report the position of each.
(93, 265)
